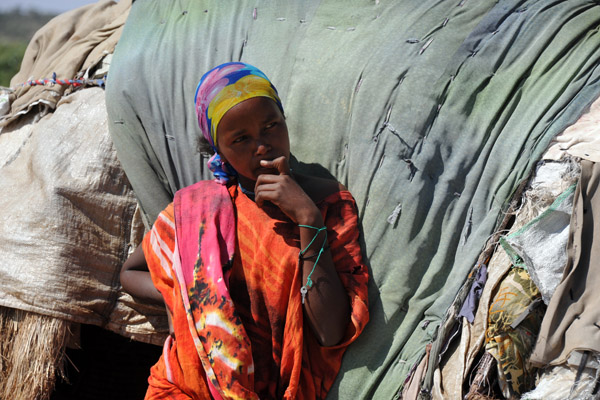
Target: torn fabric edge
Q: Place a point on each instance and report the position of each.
(446, 327)
(544, 267)
(515, 258)
(45, 108)
(469, 306)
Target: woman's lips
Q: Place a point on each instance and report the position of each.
(263, 170)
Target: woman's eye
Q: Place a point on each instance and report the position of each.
(239, 139)
(271, 125)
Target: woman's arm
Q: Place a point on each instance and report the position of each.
(326, 304)
(136, 280)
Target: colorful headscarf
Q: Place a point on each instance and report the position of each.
(219, 90)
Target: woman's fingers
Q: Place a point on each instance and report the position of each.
(265, 179)
(280, 164)
(280, 190)
(266, 192)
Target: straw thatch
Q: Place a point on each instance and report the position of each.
(31, 353)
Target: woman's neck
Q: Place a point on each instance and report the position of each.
(247, 192)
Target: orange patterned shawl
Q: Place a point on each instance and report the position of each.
(239, 329)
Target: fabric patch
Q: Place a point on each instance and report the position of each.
(511, 346)
(541, 245)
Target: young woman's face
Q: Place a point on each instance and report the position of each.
(249, 132)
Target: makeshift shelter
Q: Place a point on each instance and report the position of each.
(434, 114)
(69, 214)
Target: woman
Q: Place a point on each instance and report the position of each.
(260, 270)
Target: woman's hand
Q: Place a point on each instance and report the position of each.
(283, 191)
(327, 305)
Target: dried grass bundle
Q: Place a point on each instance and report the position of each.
(32, 352)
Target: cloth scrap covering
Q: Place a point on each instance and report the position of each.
(469, 307)
(511, 344)
(541, 245)
(572, 320)
(238, 322)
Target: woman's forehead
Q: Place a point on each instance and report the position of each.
(257, 107)
(254, 111)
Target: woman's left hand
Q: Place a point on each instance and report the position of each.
(283, 191)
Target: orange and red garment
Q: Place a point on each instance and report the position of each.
(239, 331)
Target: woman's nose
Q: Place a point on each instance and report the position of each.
(262, 147)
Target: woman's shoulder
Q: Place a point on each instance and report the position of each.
(319, 189)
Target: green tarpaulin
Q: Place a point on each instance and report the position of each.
(430, 112)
